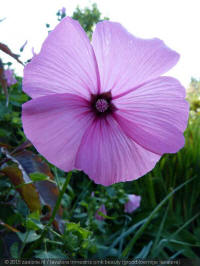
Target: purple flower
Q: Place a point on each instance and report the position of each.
(103, 107)
(9, 76)
(103, 210)
(132, 204)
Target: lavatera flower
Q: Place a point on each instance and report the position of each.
(102, 107)
(9, 76)
(133, 203)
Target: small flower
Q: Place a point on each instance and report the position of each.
(132, 204)
(9, 76)
(103, 210)
(103, 107)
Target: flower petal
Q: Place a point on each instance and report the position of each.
(66, 64)
(133, 203)
(126, 61)
(155, 115)
(55, 125)
(108, 156)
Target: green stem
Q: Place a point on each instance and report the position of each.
(151, 191)
(23, 245)
(149, 218)
(59, 199)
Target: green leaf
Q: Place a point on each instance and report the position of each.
(38, 176)
(55, 254)
(28, 192)
(28, 237)
(33, 224)
(14, 250)
(145, 251)
(77, 228)
(150, 217)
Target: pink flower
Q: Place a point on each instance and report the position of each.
(102, 107)
(9, 76)
(103, 210)
(132, 204)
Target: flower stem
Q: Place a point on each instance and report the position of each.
(151, 191)
(59, 199)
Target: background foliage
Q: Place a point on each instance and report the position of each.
(167, 224)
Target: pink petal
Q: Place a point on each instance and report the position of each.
(55, 125)
(9, 76)
(126, 61)
(133, 203)
(66, 64)
(103, 210)
(108, 156)
(155, 115)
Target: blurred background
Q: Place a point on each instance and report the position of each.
(156, 216)
(175, 22)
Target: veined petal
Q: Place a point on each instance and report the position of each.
(126, 61)
(55, 124)
(108, 156)
(155, 115)
(65, 64)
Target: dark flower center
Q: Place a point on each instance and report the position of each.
(102, 104)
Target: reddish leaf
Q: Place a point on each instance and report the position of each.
(48, 192)
(27, 191)
(7, 50)
(22, 146)
(4, 144)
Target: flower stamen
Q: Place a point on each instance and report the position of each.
(101, 105)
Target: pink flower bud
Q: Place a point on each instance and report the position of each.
(103, 210)
(9, 76)
(132, 204)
